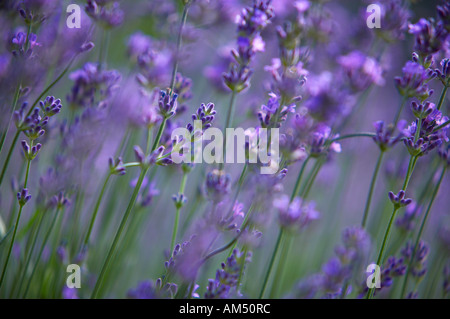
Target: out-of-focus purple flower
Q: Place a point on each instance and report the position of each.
(318, 141)
(361, 70)
(138, 43)
(218, 185)
(250, 23)
(144, 290)
(418, 265)
(429, 37)
(327, 100)
(70, 293)
(295, 214)
(59, 200)
(394, 19)
(23, 46)
(107, 13)
(36, 11)
(116, 167)
(407, 222)
(90, 82)
(227, 278)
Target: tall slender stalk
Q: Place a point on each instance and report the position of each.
(228, 121)
(13, 109)
(16, 226)
(412, 163)
(442, 97)
(419, 234)
(371, 189)
(179, 39)
(118, 234)
(44, 243)
(177, 213)
(30, 254)
(281, 234)
(94, 214)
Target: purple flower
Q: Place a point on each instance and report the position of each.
(413, 81)
(418, 265)
(144, 290)
(92, 86)
(384, 138)
(394, 19)
(399, 200)
(407, 222)
(218, 185)
(361, 70)
(23, 196)
(69, 293)
(108, 14)
(226, 281)
(295, 214)
(429, 37)
(273, 114)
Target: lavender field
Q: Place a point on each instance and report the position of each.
(332, 185)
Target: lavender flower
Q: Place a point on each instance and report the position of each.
(399, 200)
(23, 196)
(429, 36)
(227, 278)
(384, 138)
(91, 81)
(250, 23)
(418, 265)
(407, 222)
(362, 71)
(116, 167)
(294, 215)
(218, 185)
(413, 82)
(107, 13)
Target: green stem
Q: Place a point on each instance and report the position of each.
(343, 137)
(119, 233)
(158, 136)
(399, 112)
(441, 99)
(272, 261)
(412, 163)
(383, 247)
(299, 178)
(44, 243)
(13, 109)
(228, 121)
(177, 213)
(30, 254)
(419, 235)
(97, 206)
(179, 38)
(16, 226)
(371, 189)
